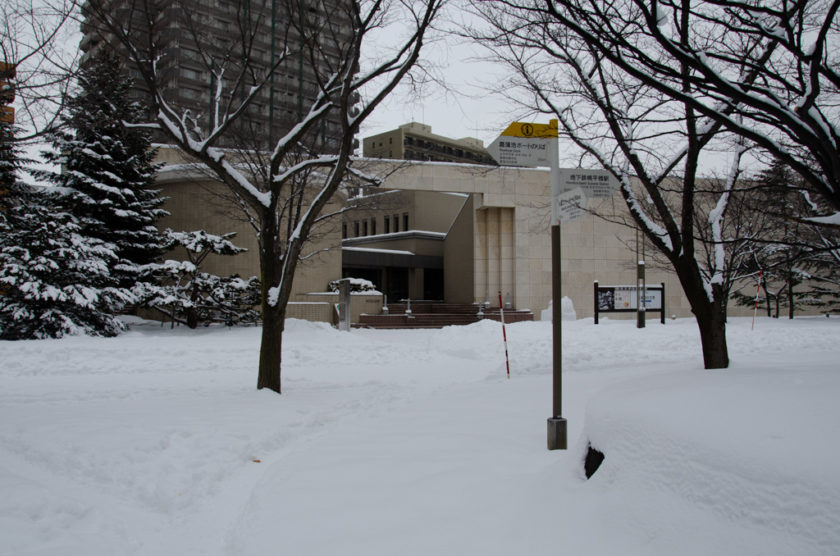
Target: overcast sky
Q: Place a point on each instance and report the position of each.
(460, 107)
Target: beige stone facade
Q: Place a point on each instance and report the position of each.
(497, 238)
(508, 223)
(195, 201)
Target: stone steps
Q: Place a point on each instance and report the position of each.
(437, 315)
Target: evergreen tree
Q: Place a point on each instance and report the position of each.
(108, 166)
(53, 280)
(191, 296)
(799, 260)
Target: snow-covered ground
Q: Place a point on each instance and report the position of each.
(413, 442)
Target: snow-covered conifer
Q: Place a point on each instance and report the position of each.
(53, 280)
(107, 164)
(191, 296)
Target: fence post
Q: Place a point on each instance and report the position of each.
(595, 298)
(662, 314)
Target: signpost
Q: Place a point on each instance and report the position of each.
(530, 145)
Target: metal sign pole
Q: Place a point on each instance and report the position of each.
(556, 425)
(531, 145)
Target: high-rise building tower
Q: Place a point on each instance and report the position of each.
(198, 45)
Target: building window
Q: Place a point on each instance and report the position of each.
(405, 222)
(191, 54)
(190, 93)
(387, 226)
(396, 223)
(373, 226)
(344, 230)
(365, 228)
(356, 228)
(188, 73)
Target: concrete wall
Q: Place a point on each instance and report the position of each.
(499, 239)
(196, 202)
(512, 244)
(458, 266)
(320, 306)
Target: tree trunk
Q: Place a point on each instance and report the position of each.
(766, 297)
(271, 348)
(709, 314)
(712, 325)
(273, 317)
(790, 297)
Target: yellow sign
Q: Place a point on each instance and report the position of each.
(529, 130)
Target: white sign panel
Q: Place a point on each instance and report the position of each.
(568, 206)
(595, 183)
(524, 144)
(520, 151)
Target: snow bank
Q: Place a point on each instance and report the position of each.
(414, 442)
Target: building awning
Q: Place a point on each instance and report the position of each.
(360, 257)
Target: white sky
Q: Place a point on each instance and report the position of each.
(459, 107)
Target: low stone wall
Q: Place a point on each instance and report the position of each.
(320, 306)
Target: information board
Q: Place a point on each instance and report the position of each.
(524, 144)
(622, 299)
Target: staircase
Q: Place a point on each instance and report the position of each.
(437, 315)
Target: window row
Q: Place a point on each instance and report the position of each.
(368, 227)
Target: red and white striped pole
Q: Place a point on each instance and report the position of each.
(755, 309)
(504, 334)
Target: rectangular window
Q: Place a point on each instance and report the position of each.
(190, 54)
(190, 74)
(387, 227)
(356, 228)
(365, 228)
(190, 93)
(405, 221)
(344, 230)
(373, 226)
(396, 223)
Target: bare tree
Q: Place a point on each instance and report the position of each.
(767, 71)
(652, 143)
(284, 181)
(33, 35)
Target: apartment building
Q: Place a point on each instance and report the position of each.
(197, 43)
(415, 141)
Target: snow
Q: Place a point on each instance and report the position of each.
(273, 296)
(830, 220)
(413, 442)
(372, 250)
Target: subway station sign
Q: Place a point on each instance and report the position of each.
(594, 183)
(524, 144)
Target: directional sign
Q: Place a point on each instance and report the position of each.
(524, 144)
(595, 183)
(568, 205)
